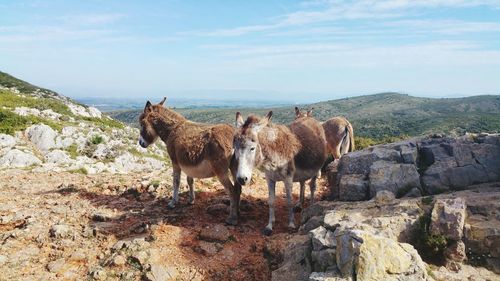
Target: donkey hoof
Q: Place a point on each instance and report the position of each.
(191, 202)
(171, 205)
(267, 231)
(232, 221)
(292, 229)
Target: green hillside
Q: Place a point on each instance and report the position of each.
(379, 116)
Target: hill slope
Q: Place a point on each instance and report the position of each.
(376, 116)
(40, 129)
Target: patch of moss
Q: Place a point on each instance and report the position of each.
(73, 151)
(155, 183)
(81, 170)
(427, 200)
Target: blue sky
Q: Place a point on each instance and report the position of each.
(296, 50)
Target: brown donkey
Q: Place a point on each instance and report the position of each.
(338, 132)
(339, 136)
(288, 154)
(199, 150)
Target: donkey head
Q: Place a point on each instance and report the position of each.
(148, 133)
(247, 150)
(302, 114)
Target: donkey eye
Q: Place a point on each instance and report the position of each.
(252, 149)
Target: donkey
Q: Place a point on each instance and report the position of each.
(312, 183)
(338, 132)
(339, 136)
(199, 150)
(288, 154)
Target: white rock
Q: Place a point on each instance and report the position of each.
(17, 159)
(57, 157)
(94, 112)
(70, 131)
(49, 113)
(42, 136)
(101, 151)
(7, 141)
(25, 111)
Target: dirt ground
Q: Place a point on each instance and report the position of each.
(97, 212)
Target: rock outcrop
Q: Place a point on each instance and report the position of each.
(417, 166)
(379, 239)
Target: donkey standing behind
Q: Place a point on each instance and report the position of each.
(288, 154)
(199, 150)
(339, 136)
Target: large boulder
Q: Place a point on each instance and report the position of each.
(365, 256)
(42, 136)
(395, 177)
(57, 157)
(16, 158)
(297, 260)
(7, 141)
(426, 165)
(448, 218)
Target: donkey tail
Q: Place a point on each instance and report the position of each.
(351, 137)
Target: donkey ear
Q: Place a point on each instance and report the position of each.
(297, 112)
(310, 112)
(239, 120)
(148, 106)
(269, 115)
(163, 101)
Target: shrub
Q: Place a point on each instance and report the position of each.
(96, 139)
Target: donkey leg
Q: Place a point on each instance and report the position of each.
(299, 204)
(176, 183)
(271, 186)
(237, 195)
(288, 189)
(190, 182)
(312, 187)
(229, 187)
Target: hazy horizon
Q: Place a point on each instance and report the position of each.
(294, 51)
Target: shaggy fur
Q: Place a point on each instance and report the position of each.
(200, 150)
(289, 154)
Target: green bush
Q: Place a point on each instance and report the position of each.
(96, 139)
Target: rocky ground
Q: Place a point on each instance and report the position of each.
(61, 225)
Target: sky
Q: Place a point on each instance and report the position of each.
(270, 50)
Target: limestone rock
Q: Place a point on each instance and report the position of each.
(7, 141)
(57, 157)
(215, 233)
(372, 257)
(397, 178)
(42, 136)
(159, 272)
(16, 158)
(297, 260)
(448, 218)
(322, 238)
(353, 187)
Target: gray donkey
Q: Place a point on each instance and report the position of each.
(289, 154)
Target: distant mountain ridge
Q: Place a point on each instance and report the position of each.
(375, 116)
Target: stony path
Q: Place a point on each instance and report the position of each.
(74, 226)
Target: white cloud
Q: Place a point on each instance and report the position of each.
(92, 19)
